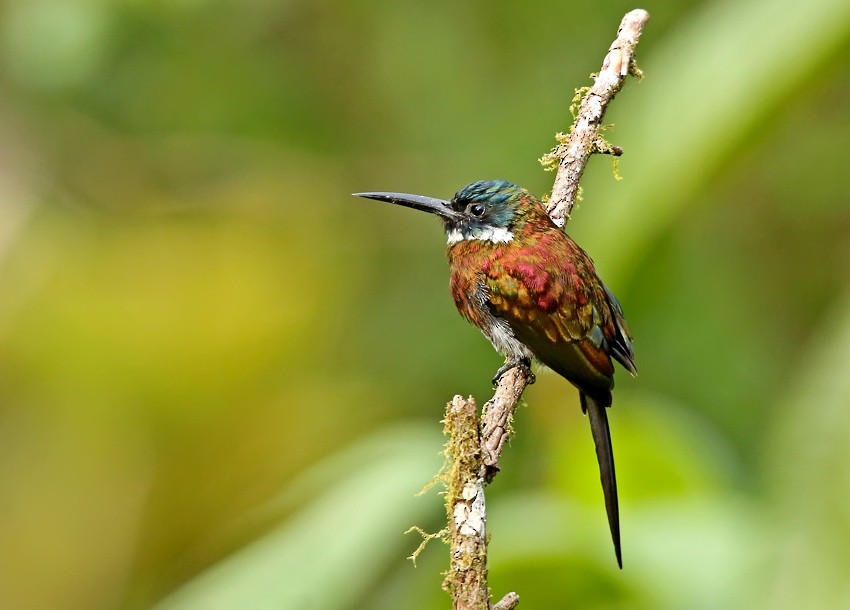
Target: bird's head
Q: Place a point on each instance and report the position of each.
(488, 210)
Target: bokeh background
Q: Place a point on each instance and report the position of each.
(222, 377)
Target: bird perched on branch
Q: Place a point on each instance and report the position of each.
(535, 295)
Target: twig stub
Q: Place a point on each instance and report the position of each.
(508, 602)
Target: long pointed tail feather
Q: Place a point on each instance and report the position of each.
(605, 456)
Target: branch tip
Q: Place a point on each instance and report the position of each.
(583, 135)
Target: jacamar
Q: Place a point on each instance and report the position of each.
(535, 295)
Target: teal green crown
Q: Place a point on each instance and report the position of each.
(492, 192)
(499, 197)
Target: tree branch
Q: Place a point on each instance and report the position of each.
(475, 445)
(466, 579)
(498, 413)
(583, 137)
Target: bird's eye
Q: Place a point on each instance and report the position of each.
(477, 209)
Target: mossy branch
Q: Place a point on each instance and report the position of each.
(466, 578)
(476, 442)
(583, 138)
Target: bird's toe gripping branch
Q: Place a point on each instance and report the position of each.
(510, 363)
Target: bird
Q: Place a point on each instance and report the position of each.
(534, 293)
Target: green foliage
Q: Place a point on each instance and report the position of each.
(221, 376)
(346, 537)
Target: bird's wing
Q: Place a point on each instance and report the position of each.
(556, 305)
(621, 343)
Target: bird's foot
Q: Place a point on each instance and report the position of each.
(520, 363)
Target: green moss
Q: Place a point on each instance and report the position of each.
(580, 92)
(443, 535)
(462, 451)
(462, 454)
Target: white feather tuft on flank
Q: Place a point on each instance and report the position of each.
(504, 341)
(496, 235)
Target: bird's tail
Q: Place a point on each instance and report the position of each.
(605, 455)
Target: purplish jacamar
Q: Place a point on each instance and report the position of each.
(535, 295)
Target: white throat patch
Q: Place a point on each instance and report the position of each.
(496, 235)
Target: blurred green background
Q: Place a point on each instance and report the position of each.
(221, 377)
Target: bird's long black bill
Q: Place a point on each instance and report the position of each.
(605, 456)
(440, 207)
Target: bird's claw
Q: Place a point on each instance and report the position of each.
(520, 363)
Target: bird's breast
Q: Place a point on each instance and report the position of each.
(473, 299)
